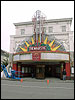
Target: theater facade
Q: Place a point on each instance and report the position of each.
(41, 53)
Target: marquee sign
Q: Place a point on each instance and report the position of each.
(47, 45)
(37, 48)
(37, 56)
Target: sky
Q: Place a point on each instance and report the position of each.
(22, 11)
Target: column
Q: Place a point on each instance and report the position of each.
(68, 70)
(15, 67)
(61, 76)
(19, 69)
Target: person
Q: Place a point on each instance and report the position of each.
(32, 73)
(64, 74)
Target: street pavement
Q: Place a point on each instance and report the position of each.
(32, 88)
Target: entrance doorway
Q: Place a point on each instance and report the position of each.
(48, 71)
(40, 71)
(53, 70)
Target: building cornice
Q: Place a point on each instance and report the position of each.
(47, 21)
(21, 36)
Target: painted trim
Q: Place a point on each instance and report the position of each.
(42, 52)
(45, 60)
(54, 60)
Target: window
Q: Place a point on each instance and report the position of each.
(44, 28)
(29, 70)
(50, 29)
(22, 31)
(26, 70)
(63, 28)
(39, 70)
(22, 69)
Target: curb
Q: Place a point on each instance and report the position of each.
(69, 81)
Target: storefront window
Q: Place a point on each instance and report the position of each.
(57, 69)
(37, 70)
(40, 70)
(22, 69)
(29, 70)
(26, 70)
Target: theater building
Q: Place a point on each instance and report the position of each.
(42, 47)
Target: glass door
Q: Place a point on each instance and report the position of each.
(40, 71)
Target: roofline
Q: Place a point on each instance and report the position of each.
(47, 21)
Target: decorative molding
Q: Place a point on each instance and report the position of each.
(47, 21)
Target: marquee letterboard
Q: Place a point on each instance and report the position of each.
(37, 48)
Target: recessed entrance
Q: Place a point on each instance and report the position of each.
(41, 71)
(53, 70)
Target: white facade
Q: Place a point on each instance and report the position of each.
(65, 37)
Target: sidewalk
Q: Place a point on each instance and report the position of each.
(52, 80)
